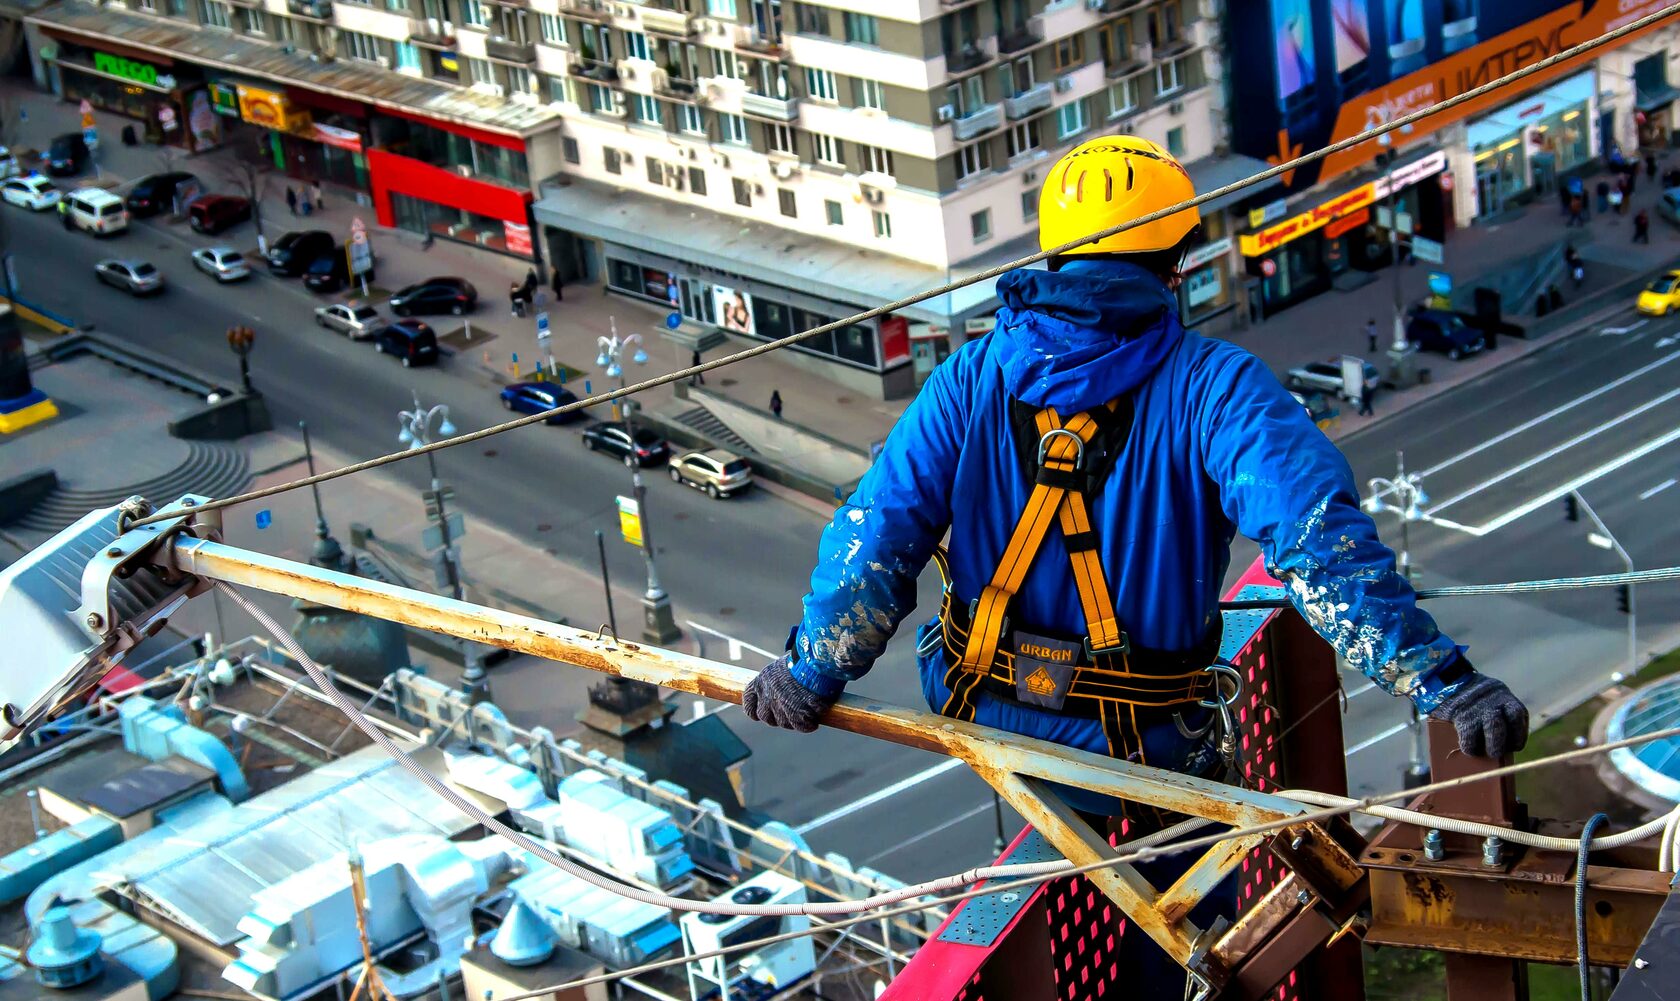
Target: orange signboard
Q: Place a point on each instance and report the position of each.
(1317, 217)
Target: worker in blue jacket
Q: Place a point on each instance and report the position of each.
(1092, 461)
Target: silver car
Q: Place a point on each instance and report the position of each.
(221, 263)
(134, 277)
(1326, 377)
(359, 321)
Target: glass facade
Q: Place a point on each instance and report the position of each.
(446, 149)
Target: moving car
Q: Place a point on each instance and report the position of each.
(610, 436)
(294, 252)
(1326, 377)
(719, 473)
(67, 155)
(535, 397)
(96, 211)
(32, 192)
(358, 321)
(436, 295)
(155, 193)
(221, 263)
(1657, 298)
(132, 276)
(1445, 333)
(411, 341)
(214, 213)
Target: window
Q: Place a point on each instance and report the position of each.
(597, 44)
(553, 28)
(569, 147)
(690, 120)
(601, 100)
(636, 45)
(862, 29)
(729, 64)
(779, 138)
(647, 111)
(827, 150)
(1116, 39)
(875, 160)
(733, 128)
(743, 192)
(256, 22)
(820, 85)
(968, 96)
(612, 159)
(972, 159)
(473, 13)
(883, 224)
(518, 80)
(1069, 53)
(1122, 97)
(811, 19)
(285, 29)
(869, 94)
(1023, 138)
(1169, 77)
(1029, 205)
(480, 70)
(655, 170)
(400, 6)
(214, 13)
(789, 209)
(1175, 141)
(697, 180)
(149, 5)
(1016, 78)
(721, 8)
(359, 45)
(836, 214)
(1073, 118)
(408, 56)
(980, 224)
(1164, 26)
(560, 89)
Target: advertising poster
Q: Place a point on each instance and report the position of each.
(1323, 70)
(734, 310)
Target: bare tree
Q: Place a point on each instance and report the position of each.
(249, 179)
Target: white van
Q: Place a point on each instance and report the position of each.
(97, 211)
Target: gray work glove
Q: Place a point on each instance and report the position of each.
(774, 697)
(1491, 721)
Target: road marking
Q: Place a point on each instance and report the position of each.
(1379, 738)
(924, 835)
(1618, 331)
(735, 647)
(1663, 342)
(1659, 488)
(1555, 450)
(1577, 483)
(878, 795)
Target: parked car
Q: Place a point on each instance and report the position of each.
(535, 397)
(1444, 333)
(294, 252)
(214, 213)
(331, 272)
(358, 321)
(96, 211)
(1658, 297)
(132, 276)
(1668, 206)
(8, 164)
(155, 193)
(412, 341)
(221, 263)
(610, 436)
(719, 473)
(1326, 377)
(33, 192)
(436, 295)
(67, 155)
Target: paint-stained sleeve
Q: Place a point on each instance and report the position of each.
(876, 546)
(1285, 486)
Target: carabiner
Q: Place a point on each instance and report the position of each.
(1220, 667)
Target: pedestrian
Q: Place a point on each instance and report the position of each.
(1367, 399)
(315, 195)
(516, 299)
(291, 199)
(1563, 200)
(1554, 298)
(776, 403)
(529, 288)
(1618, 198)
(699, 378)
(1642, 227)
(1651, 166)
(304, 207)
(1093, 350)
(1603, 192)
(1371, 336)
(1577, 214)
(555, 284)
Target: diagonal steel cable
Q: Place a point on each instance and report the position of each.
(1285, 167)
(1511, 587)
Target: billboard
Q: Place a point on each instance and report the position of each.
(734, 310)
(1327, 69)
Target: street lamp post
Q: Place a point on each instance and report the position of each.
(1603, 539)
(419, 428)
(659, 624)
(1404, 495)
(1400, 352)
(328, 553)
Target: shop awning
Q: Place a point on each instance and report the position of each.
(1652, 98)
(1212, 172)
(90, 24)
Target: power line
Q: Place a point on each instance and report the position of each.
(1512, 587)
(945, 289)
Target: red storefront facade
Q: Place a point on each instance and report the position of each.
(454, 202)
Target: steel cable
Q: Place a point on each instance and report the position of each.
(1287, 166)
(1474, 590)
(1581, 963)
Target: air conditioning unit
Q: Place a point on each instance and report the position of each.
(1028, 177)
(384, 62)
(692, 154)
(626, 70)
(1176, 108)
(874, 196)
(782, 169)
(947, 112)
(1064, 83)
(721, 160)
(769, 970)
(758, 189)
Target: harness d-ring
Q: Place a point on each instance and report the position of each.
(1078, 445)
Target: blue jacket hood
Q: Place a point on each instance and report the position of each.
(1077, 338)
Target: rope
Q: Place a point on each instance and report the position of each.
(952, 286)
(1581, 963)
(1513, 587)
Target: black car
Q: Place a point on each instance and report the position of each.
(155, 193)
(331, 272)
(67, 155)
(609, 436)
(293, 253)
(436, 295)
(1444, 333)
(536, 397)
(411, 341)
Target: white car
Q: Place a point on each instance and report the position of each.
(33, 192)
(221, 263)
(357, 321)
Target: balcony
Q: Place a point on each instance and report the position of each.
(1035, 98)
(970, 57)
(984, 120)
(592, 69)
(1022, 36)
(507, 50)
(677, 23)
(598, 11)
(671, 84)
(313, 10)
(1136, 59)
(783, 109)
(249, 4)
(431, 35)
(516, 4)
(753, 40)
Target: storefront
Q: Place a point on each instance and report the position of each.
(1206, 290)
(421, 198)
(1524, 148)
(169, 100)
(308, 136)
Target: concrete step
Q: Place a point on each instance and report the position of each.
(211, 469)
(707, 424)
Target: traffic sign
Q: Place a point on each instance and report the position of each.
(542, 326)
(431, 537)
(673, 320)
(434, 502)
(90, 138)
(630, 520)
(361, 251)
(265, 518)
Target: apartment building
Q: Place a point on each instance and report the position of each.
(762, 165)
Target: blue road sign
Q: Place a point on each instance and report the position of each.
(542, 323)
(265, 518)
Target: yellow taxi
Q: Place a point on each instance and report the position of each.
(1661, 296)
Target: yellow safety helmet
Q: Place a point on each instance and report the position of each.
(1104, 182)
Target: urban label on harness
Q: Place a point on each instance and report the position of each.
(1044, 669)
